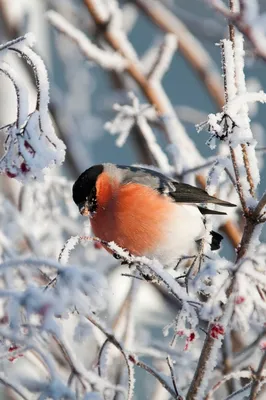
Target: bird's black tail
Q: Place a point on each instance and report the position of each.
(216, 240)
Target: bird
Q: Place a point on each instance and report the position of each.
(145, 212)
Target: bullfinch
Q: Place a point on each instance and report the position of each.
(144, 211)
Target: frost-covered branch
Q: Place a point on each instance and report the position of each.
(50, 310)
(105, 59)
(31, 145)
(175, 394)
(163, 58)
(154, 93)
(188, 46)
(173, 377)
(140, 115)
(232, 127)
(248, 21)
(232, 375)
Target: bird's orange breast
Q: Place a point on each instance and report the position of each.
(131, 215)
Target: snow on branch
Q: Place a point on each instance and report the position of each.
(232, 125)
(247, 20)
(104, 58)
(31, 313)
(139, 115)
(31, 145)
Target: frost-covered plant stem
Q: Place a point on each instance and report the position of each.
(246, 27)
(210, 342)
(173, 392)
(131, 359)
(251, 221)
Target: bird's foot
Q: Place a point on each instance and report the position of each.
(195, 266)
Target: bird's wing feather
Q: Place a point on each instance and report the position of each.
(185, 193)
(207, 211)
(179, 192)
(147, 177)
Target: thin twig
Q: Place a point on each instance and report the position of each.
(238, 392)
(173, 377)
(10, 385)
(226, 378)
(227, 361)
(256, 385)
(7, 73)
(69, 361)
(112, 339)
(156, 375)
(241, 355)
(261, 204)
(100, 356)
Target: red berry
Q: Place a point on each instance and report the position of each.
(240, 299)
(24, 167)
(10, 350)
(132, 358)
(263, 345)
(10, 174)
(4, 320)
(44, 309)
(189, 339)
(29, 147)
(217, 330)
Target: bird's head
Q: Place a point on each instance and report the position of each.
(84, 190)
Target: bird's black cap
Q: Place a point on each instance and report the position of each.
(85, 183)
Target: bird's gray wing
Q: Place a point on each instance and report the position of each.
(179, 192)
(147, 177)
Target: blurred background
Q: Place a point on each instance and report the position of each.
(82, 95)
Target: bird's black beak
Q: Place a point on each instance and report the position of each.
(84, 208)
